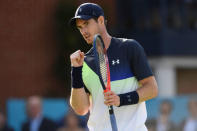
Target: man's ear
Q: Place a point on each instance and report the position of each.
(101, 20)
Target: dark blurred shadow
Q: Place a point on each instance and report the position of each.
(69, 40)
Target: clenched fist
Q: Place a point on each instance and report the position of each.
(77, 58)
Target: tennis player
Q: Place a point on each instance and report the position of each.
(132, 81)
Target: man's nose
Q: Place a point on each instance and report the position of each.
(83, 31)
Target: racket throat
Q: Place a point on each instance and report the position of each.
(107, 89)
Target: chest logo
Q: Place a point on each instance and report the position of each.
(115, 62)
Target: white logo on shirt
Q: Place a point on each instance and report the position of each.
(114, 62)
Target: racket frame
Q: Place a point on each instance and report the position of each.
(105, 88)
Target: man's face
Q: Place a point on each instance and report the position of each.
(34, 107)
(88, 28)
(2, 120)
(165, 108)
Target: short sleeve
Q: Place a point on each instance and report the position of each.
(139, 64)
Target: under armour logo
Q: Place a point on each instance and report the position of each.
(115, 62)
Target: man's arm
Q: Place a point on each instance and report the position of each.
(148, 89)
(142, 71)
(79, 99)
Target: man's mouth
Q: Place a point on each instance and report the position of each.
(87, 37)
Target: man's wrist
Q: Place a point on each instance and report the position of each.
(129, 98)
(76, 77)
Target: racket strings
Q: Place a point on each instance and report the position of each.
(102, 60)
(103, 68)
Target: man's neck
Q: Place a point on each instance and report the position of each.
(38, 116)
(106, 39)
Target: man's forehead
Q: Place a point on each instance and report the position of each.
(80, 21)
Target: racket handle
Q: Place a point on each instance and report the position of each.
(112, 119)
(111, 111)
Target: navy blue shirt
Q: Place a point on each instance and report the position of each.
(126, 59)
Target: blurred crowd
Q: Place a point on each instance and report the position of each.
(164, 123)
(38, 122)
(71, 122)
(3, 122)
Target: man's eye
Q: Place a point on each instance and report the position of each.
(86, 23)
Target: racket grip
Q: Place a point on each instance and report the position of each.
(112, 119)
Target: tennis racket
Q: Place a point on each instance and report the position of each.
(102, 66)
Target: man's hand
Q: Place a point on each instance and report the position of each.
(77, 58)
(111, 99)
